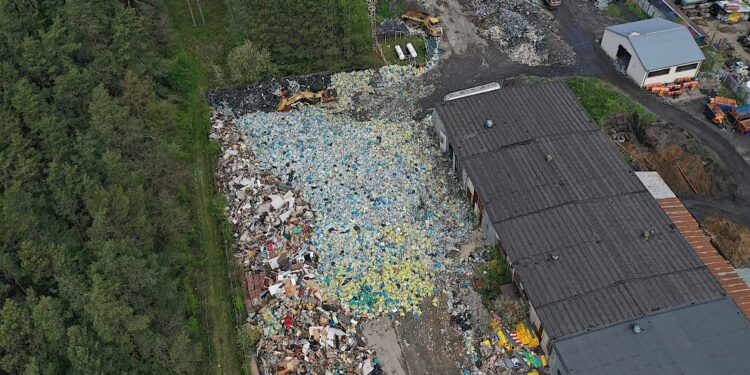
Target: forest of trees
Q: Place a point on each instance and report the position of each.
(94, 238)
(308, 36)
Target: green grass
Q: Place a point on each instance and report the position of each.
(494, 274)
(614, 11)
(714, 59)
(391, 56)
(603, 101)
(636, 11)
(390, 9)
(726, 92)
(384, 10)
(195, 48)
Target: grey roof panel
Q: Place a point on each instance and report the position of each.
(554, 184)
(580, 167)
(660, 43)
(519, 114)
(707, 338)
(650, 25)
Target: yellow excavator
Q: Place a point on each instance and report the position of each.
(430, 24)
(324, 96)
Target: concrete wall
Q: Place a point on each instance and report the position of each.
(440, 130)
(555, 367)
(672, 76)
(534, 317)
(610, 44)
(489, 230)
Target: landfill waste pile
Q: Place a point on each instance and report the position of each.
(391, 92)
(265, 95)
(273, 232)
(524, 29)
(342, 212)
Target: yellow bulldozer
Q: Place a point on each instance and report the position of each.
(430, 24)
(287, 103)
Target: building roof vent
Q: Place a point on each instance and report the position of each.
(637, 328)
(647, 234)
(488, 124)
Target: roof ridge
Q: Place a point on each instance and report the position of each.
(530, 141)
(654, 32)
(624, 281)
(636, 192)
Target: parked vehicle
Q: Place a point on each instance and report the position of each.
(552, 4)
(714, 113)
(430, 24)
(743, 127)
(726, 104)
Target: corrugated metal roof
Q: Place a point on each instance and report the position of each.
(555, 168)
(660, 43)
(708, 338)
(554, 184)
(518, 114)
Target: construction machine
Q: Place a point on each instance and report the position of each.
(287, 103)
(430, 24)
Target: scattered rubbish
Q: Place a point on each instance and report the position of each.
(379, 225)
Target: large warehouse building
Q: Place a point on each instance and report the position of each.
(612, 284)
(653, 51)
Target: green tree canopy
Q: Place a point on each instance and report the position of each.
(248, 63)
(92, 239)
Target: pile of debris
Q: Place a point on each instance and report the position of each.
(372, 93)
(525, 30)
(273, 227)
(381, 224)
(336, 220)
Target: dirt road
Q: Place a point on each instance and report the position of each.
(581, 25)
(459, 30)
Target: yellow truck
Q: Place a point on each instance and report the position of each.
(430, 24)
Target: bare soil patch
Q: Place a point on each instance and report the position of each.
(685, 163)
(732, 239)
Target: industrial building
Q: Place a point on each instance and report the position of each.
(653, 51)
(588, 246)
